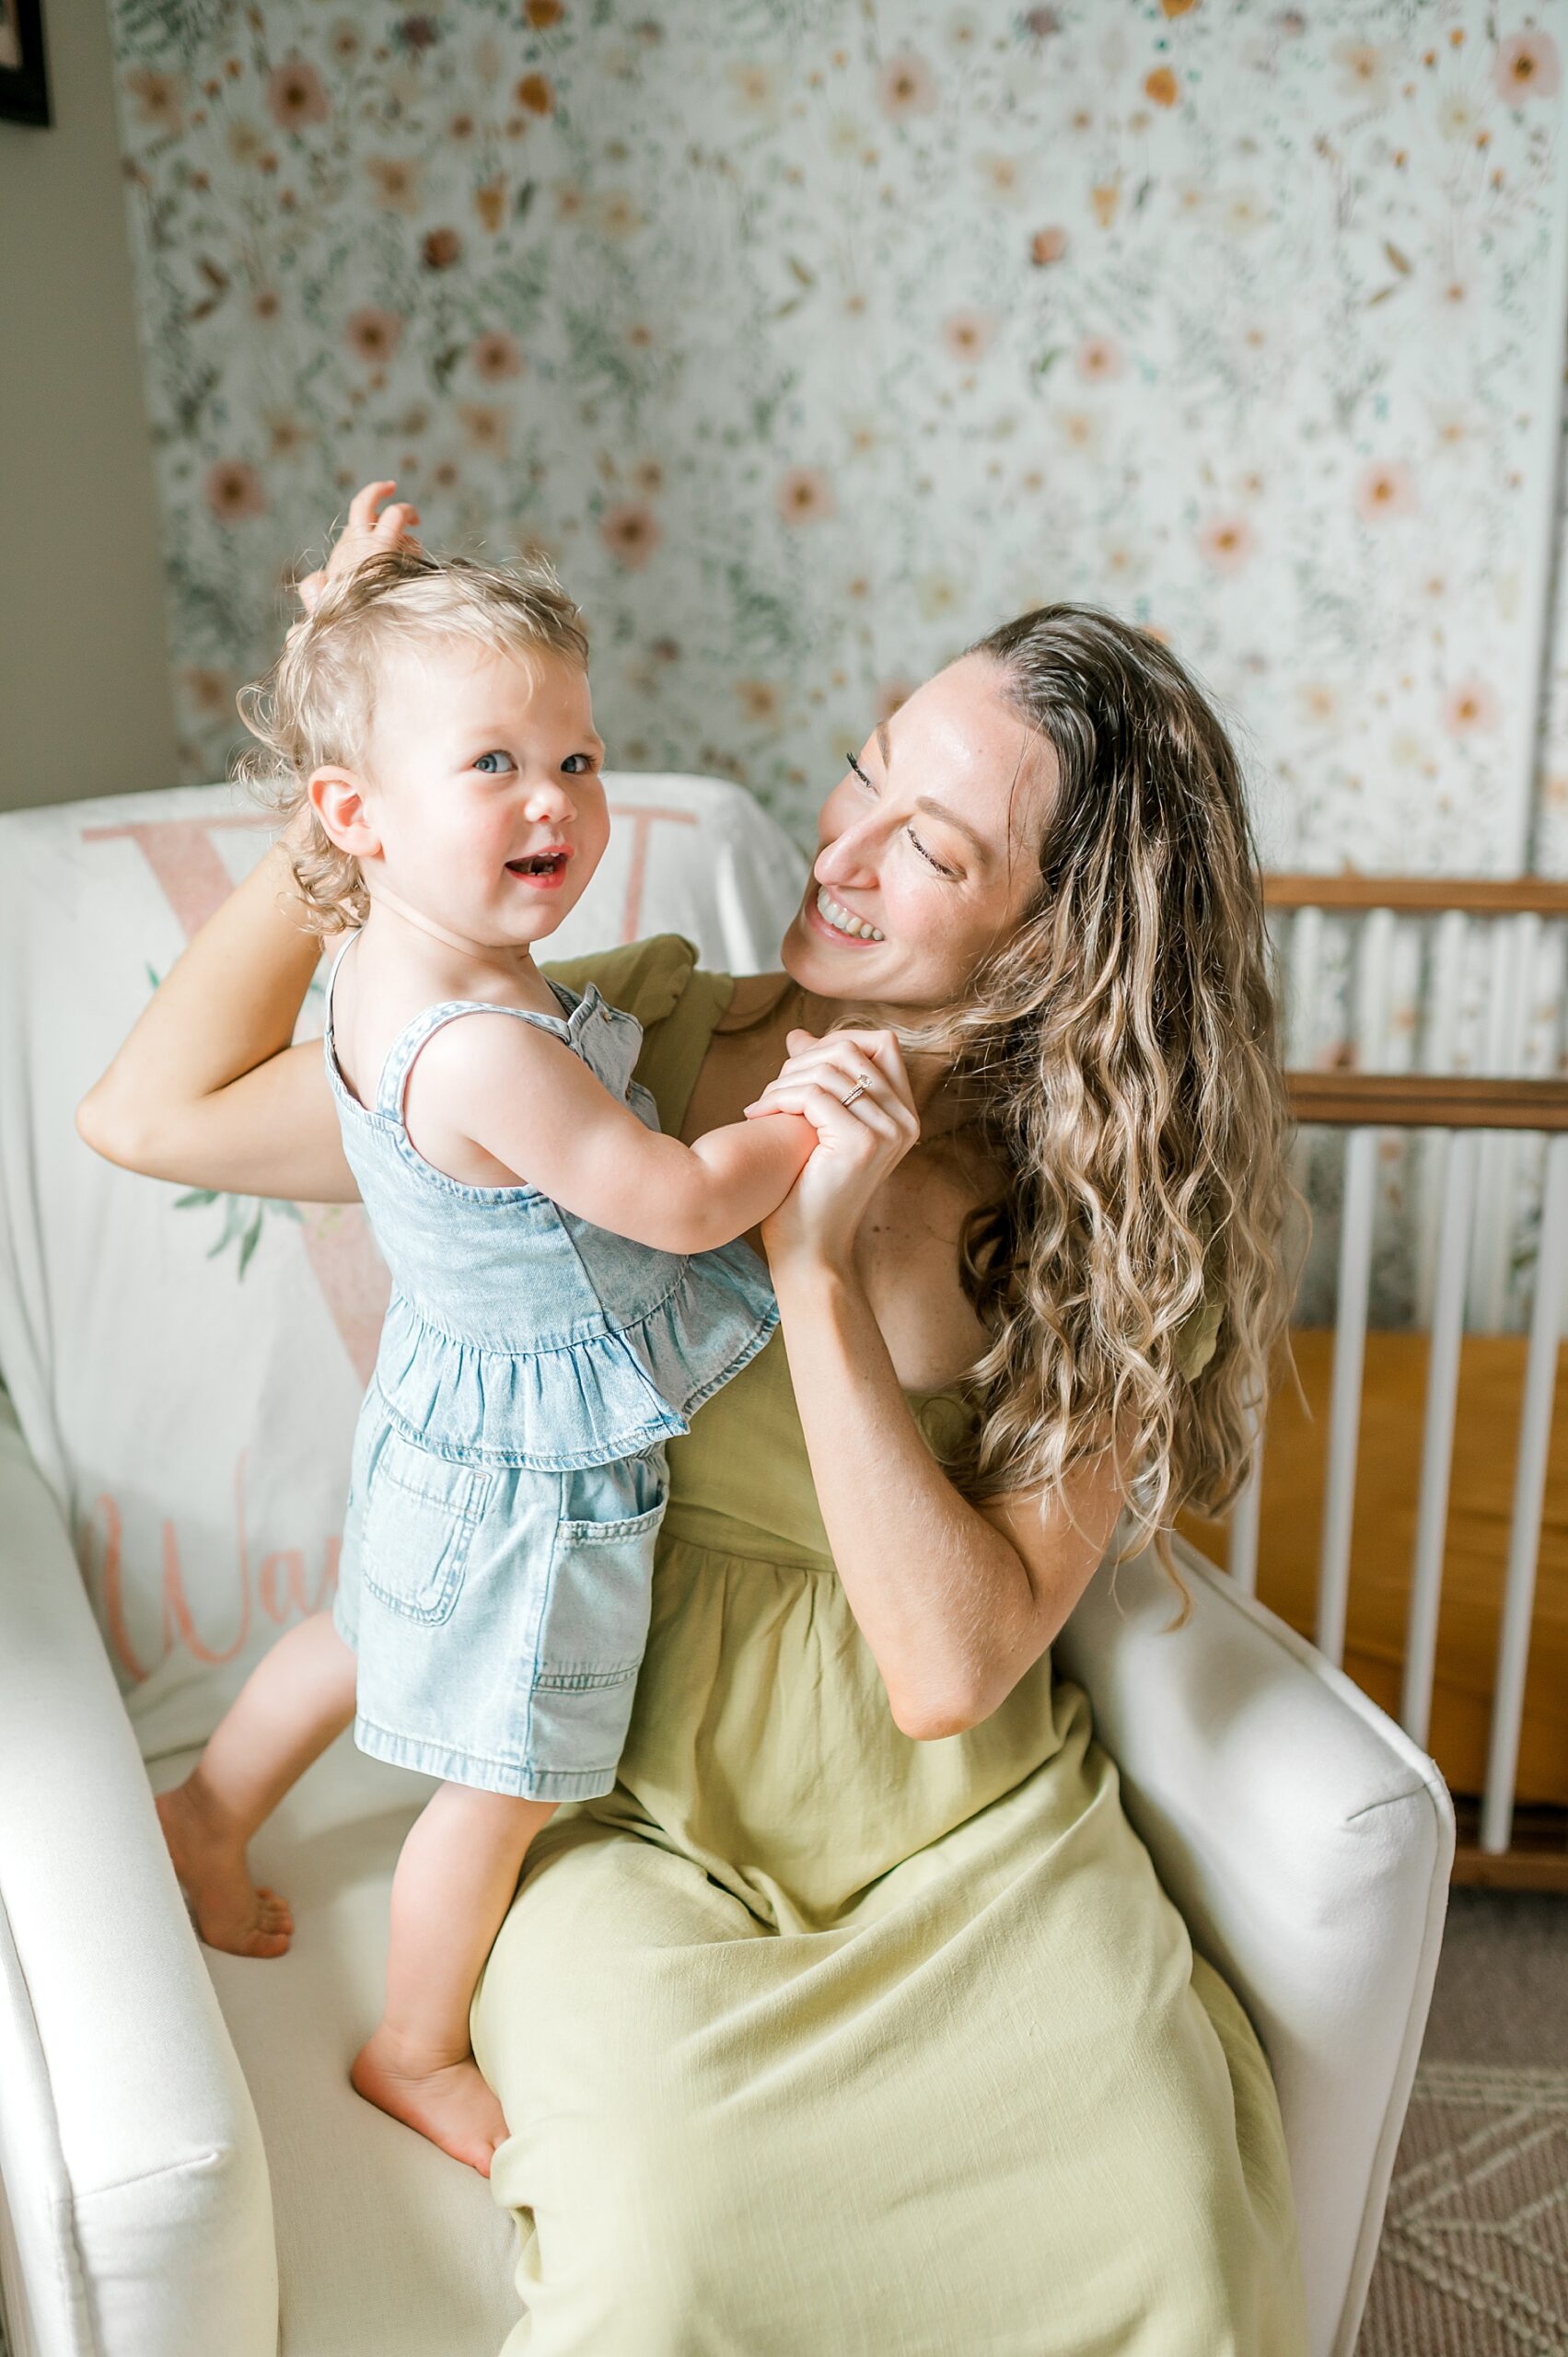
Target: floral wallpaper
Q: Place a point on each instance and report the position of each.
(814, 338)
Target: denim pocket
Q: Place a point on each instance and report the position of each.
(595, 1615)
(419, 1514)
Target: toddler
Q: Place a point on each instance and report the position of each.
(567, 1285)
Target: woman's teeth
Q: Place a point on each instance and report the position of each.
(841, 920)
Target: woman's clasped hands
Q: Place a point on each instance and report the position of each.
(853, 1087)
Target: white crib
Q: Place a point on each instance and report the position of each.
(1424, 1020)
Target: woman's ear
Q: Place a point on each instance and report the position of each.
(338, 798)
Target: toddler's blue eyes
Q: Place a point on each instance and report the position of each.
(497, 764)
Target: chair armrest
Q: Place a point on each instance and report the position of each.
(137, 2213)
(1306, 1842)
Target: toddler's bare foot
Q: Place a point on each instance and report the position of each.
(231, 1913)
(450, 2102)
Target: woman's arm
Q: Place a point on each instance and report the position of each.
(206, 1088)
(956, 1602)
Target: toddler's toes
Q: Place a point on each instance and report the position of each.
(264, 1928)
(228, 1913)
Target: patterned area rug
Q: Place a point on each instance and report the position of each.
(1474, 2257)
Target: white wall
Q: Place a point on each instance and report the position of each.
(85, 690)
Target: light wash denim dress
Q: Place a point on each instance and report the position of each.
(508, 1476)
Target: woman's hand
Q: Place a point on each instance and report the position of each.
(366, 534)
(858, 1142)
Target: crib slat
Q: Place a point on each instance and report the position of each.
(1437, 1448)
(1525, 931)
(1489, 1244)
(1438, 1047)
(1306, 962)
(1529, 1490)
(1372, 972)
(1344, 1406)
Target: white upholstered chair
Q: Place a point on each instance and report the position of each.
(184, 2168)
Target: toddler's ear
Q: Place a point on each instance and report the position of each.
(338, 797)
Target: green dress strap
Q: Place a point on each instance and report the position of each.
(677, 1003)
(1198, 1333)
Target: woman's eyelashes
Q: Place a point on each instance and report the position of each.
(930, 861)
(914, 839)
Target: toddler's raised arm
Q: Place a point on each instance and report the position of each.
(366, 534)
(523, 1097)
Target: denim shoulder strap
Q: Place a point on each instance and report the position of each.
(412, 1036)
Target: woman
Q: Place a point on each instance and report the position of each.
(855, 2018)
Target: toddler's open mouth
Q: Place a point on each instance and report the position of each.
(540, 868)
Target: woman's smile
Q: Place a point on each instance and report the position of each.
(830, 916)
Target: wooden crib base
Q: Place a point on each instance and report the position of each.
(1536, 1858)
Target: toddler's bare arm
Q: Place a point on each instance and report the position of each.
(523, 1097)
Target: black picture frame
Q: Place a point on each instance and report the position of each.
(24, 84)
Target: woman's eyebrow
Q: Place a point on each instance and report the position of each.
(928, 801)
(940, 811)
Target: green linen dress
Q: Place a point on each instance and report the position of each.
(817, 2041)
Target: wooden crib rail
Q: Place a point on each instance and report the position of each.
(1425, 896)
(1427, 1101)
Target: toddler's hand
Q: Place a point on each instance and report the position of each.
(365, 534)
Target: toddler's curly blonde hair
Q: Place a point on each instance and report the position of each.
(315, 707)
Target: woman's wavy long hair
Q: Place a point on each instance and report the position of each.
(1120, 1048)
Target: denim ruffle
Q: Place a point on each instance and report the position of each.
(598, 1397)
